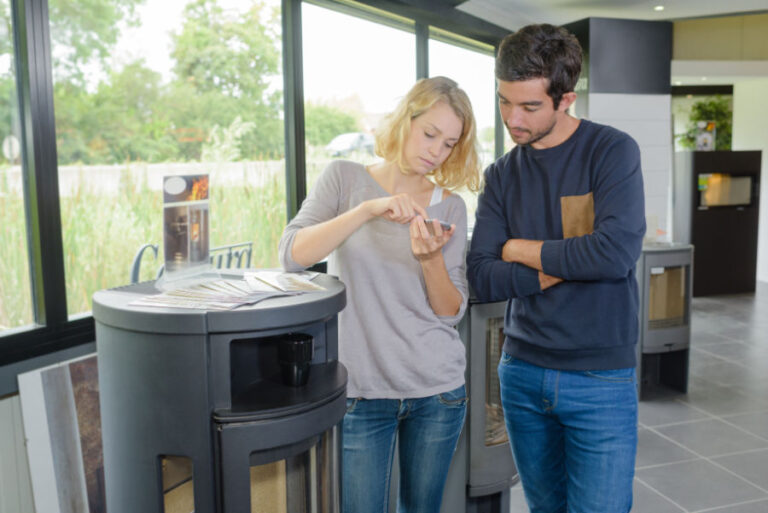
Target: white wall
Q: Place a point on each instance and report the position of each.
(750, 132)
(648, 119)
(15, 486)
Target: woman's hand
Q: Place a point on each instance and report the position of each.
(399, 208)
(425, 245)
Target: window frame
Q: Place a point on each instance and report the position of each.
(53, 331)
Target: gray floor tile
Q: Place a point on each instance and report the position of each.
(752, 382)
(749, 375)
(722, 400)
(755, 423)
(701, 358)
(712, 437)
(696, 383)
(750, 334)
(646, 500)
(653, 449)
(750, 507)
(739, 352)
(699, 484)
(517, 502)
(704, 339)
(716, 325)
(657, 413)
(722, 372)
(752, 466)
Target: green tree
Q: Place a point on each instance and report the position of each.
(323, 123)
(717, 109)
(88, 30)
(227, 64)
(9, 123)
(131, 117)
(75, 125)
(232, 63)
(123, 120)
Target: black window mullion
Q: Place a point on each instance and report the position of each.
(39, 165)
(293, 83)
(422, 51)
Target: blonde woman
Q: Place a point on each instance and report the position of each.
(406, 291)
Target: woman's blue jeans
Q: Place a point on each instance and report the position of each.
(573, 436)
(427, 430)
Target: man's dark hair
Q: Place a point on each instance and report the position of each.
(541, 51)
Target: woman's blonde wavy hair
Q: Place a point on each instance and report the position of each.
(461, 168)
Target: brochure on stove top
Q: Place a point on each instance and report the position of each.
(227, 294)
(219, 294)
(286, 282)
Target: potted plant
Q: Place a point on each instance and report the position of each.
(716, 109)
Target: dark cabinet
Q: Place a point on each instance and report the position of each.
(716, 205)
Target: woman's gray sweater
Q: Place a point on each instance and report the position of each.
(390, 340)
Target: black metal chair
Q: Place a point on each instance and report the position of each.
(229, 256)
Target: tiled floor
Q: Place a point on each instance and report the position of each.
(707, 450)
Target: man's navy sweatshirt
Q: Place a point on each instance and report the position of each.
(584, 198)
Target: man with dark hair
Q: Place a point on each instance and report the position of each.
(559, 228)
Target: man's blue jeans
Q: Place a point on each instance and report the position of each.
(573, 436)
(427, 429)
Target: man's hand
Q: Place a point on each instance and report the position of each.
(547, 281)
(528, 252)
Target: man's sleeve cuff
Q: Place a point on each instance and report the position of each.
(551, 257)
(527, 281)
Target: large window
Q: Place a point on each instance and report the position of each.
(114, 95)
(148, 89)
(473, 71)
(15, 290)
(355, 72)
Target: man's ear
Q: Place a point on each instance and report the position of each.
(566, 101)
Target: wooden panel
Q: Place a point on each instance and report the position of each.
(728, 38)
(755, 40)
(708, 39)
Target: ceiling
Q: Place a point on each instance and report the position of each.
(513, 14)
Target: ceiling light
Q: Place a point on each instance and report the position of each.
(658, 8)
(678, 82)
(703, 79)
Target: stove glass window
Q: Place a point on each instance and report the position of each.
(495, 429)
(303, 482)
(666, 297)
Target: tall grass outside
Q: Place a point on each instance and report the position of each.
(15, 289)
(107, 213)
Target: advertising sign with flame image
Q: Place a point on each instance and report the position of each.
(185, 222)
